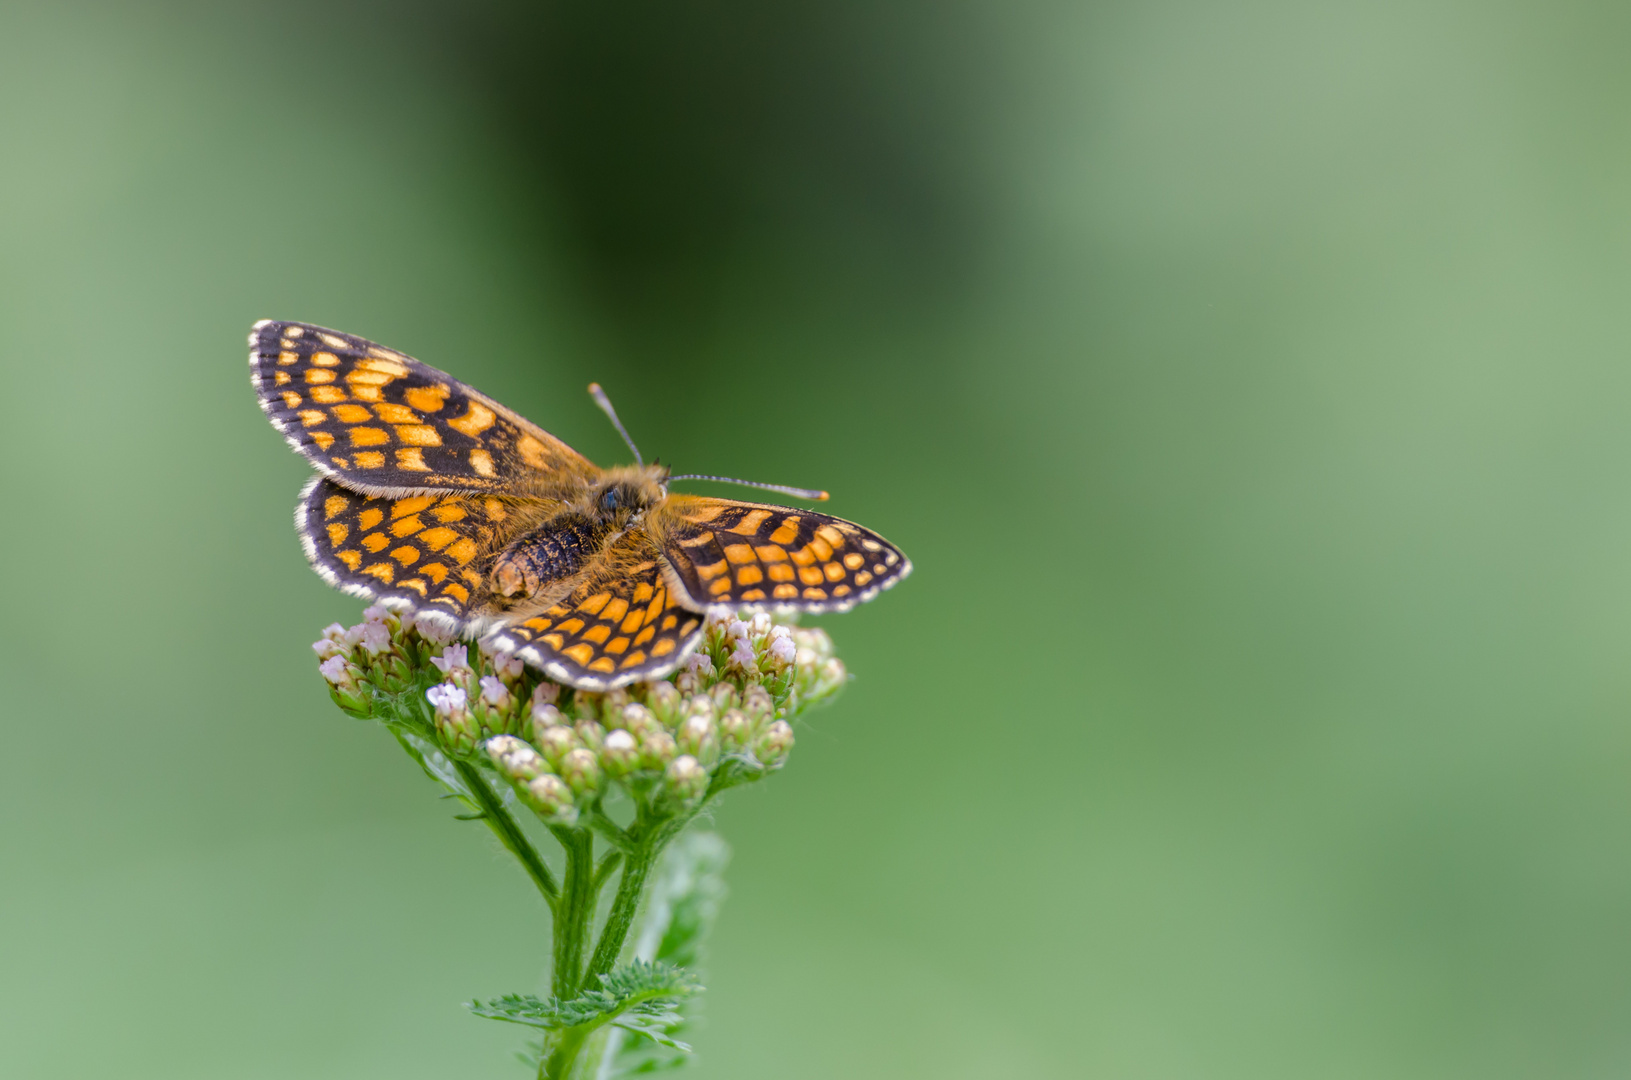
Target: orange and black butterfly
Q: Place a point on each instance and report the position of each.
(436, 498)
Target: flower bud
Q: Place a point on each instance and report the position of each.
(549, 795)
(638, 720)
(342, 676)
(742, 660)
(507, 666)
(589, 733)
(735, 729)
(518, 761)
(697, 737)
(555, 742)
(685, 778)
(454, 661)
(375, 638)
(657, 749)
(619, 754)
(700, 705)
(546, 693)
(774, 745)
(544, 716)
(758, 704)
(780, 654)
(581, 770)
(433, 630)
(586, 705)
(332, 643)
(664, 702)
(612, 703)
(737, 630)
(724, 697)
(457, 729)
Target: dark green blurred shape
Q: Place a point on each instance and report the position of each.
(1248, 383)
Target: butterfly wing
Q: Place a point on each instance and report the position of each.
(433, 553)
(750, 555)
(622, 622)
(383, 423)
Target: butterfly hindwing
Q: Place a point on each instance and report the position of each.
(621, 623)
(382, 422)
(774, 557)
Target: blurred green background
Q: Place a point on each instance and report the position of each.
(1248, 381)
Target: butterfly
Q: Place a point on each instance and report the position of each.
(432, 497)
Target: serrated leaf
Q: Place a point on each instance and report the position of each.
(642, 992)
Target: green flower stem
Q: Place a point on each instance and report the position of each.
(576, 910)
(637, 863)
(509, 833)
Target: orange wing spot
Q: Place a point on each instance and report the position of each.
(645, 635)
(781, 572)
(426, 398)
(407, 554)
(615, 610)
(449, 511)
(482, 462)
(435, 571)
(833, 571)
(690, 625)
(785, 592)
(335, 342)
(554, 641)
(815, 594)
(464, 550)
(438, 538)
(418, 435)
(287, 357)
(605, 665)
(352, 414)
(739, 553)
(340, 461)
(879, 568)
(558, 611)
(382, 570)
(361, 376)
(642, 592)
(810, 575)
(369, 436)
(595, 603)
(670, 622)
(474, 422)
(538, 623)
(770, 553)
(841, 590)
(533, 452)
(712, 570)
(699, 540)
(570, 626)
(406, 526)
(370, 459)
(353, 559)
(315, 376)
(663, 647)
(293, 331)
(704, 514)
(392, 413)
(290, 398)
(337, 534)
(634, 659)
(327, 395)
(749, 575)
(495, 509)
(753, 594)
(749, 525)
(804, 556)
(415, 584)
(411, 457)
(720, 587)
(282, 378)
(365, 393)
(831, 535)
(598, 633)
(581, 652)
(891, 558)
(863, 577)
(633, 622)
(313, 417)
(454, 589)
(384, 366)
(323, 439)
(404, 507)
(787, 533)
(375, 542)
(325, 359)
(334, 504)
(370, 517)
(822, 549)
(854, 560)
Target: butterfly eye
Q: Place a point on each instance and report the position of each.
(610, 500)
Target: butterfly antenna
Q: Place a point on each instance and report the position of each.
(797, 493)
(605, 404)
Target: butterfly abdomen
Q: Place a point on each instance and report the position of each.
(549, 554)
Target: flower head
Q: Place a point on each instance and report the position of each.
(455, 660)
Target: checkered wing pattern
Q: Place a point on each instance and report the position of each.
(429, 552)
(620, 624)
(773, 557)
(383, 423)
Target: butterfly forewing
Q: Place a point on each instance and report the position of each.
(774, 557)
(382, 422)
(620, 624)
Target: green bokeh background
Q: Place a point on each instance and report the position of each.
(1248, 381)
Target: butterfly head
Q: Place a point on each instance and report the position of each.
(624, 494)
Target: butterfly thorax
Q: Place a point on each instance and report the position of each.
(560, 548)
